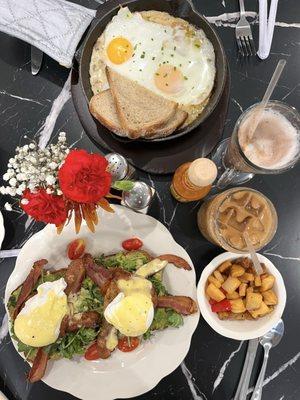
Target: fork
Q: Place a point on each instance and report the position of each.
(243, 34)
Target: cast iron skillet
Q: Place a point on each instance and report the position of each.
(178, 8)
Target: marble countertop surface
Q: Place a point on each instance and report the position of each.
(41, 106)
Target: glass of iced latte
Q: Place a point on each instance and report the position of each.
(264, 141)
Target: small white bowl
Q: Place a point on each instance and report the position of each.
(246, 329)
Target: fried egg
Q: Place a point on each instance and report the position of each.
(167, 60)
(132, 311)
(38, 323)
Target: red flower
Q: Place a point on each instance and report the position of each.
(83, 177)
(44, 207)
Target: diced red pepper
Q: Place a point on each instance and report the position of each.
(223, 305)
(212, 301)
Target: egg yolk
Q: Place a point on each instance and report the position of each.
(169, 79)
(119, 50)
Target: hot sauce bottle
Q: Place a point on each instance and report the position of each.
(193, 180)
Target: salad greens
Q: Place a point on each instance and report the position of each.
(88, 298)
(73, 343)
(128, 261)
(164, 318)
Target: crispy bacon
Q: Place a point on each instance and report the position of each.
(101, 340)
(74, 276)
(100, 275)
(63, 326)
(39, 366)
(87, 319)
(182, 304)
(177, 261)
(29, 284)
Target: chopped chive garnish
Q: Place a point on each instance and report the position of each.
(167, 84)
(142, 55)
(172, 55)
(185, 77)
(165, 75)
(153, 58)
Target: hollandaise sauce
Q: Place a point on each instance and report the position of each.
(38, 323)
(132, 311)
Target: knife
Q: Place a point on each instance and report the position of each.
(36, 60)
(241, 393)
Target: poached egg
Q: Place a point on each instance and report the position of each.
(38, 323)
(131, 312)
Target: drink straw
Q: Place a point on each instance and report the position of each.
(268, 94)
(253, 255)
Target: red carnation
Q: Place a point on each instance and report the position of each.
(83, 177)
(44, 207)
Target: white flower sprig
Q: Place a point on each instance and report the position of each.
(33, 168)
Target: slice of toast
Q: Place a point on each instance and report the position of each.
(166, 130)
(102, 107)
(140, 111)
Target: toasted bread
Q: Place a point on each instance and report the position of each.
(166, 130)
(102, 107)
(140, 111)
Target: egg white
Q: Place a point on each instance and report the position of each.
(154, 45)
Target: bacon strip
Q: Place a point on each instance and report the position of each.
(74, 276)
(179, 262)
(29, 284)
(87, 319)
(39, 366)
(100, 275)
(101, 340)
(182, 304)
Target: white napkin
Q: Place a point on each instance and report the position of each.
(266, 27)
(53, 26)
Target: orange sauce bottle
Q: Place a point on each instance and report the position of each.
(193, 180)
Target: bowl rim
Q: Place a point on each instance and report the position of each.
(220, 326)
(218, 88)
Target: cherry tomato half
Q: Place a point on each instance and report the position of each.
(127, 344)
(92, 353)
(76, 249)
(132, 244)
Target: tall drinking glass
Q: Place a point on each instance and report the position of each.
(264, 141)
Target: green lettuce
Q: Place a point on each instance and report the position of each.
(128, 261)
(88, 298)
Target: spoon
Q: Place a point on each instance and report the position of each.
(269, 340)
(253, 255)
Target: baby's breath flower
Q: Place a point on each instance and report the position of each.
(24, 202)
(8, 206)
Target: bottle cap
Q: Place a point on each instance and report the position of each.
(202, 172)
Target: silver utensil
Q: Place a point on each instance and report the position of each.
(139, 197)
(269, 340)
(241, 392)
(243, 34)
(36, 60)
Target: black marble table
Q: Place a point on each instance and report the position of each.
(212, 367)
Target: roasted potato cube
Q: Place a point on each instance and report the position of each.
(231, 284)
(237, 306)
(219, 276)
(261, 311)
(232, 296)
(257, 280)
(242, 289)
(270, 297)
(224, 266)
(267, 283)
(253, 301)
(249, 290)
(244, 262)
(247, 277)
(214, 293)
(236, 270)
(223, 315)
(214, 280)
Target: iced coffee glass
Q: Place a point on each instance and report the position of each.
(226, 217)
(263, 142)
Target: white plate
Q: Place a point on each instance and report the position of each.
(2, 231)
(123, 375)
(241, 330)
